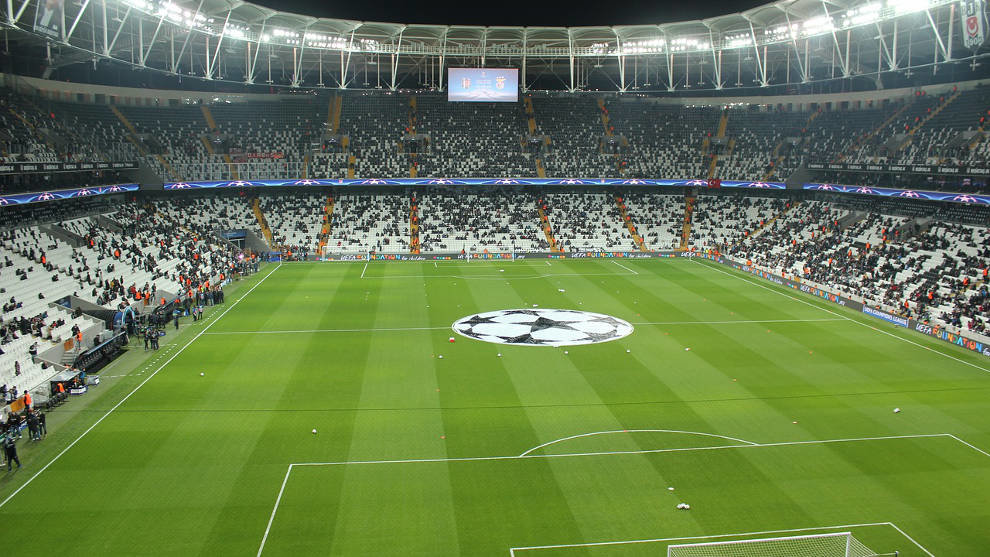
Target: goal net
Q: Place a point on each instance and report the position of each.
(839, 544)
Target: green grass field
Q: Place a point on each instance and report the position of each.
(779, 418)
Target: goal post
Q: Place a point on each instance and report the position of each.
(835, 544)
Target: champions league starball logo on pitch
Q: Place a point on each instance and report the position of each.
(542, 327)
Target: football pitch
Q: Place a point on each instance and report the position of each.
(769, 411)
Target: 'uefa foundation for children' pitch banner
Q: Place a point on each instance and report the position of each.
(499, 256)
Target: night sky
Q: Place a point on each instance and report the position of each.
(494, 12)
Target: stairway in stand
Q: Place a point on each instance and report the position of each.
(777, 157)
(723, 123)
(546, 226)
(414, 226)
(212, 124)
(531, 126)
(333, 115)
(765, 225)
(862, 140)
(689, 201)
(327, 224)
(413, 167)
(629, 224)
(609, 131)
(262, 222)
(132, 136)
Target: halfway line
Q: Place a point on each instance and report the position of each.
(444, 328)
(738, 321)
(329, 331)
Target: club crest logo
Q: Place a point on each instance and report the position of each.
(542, 327)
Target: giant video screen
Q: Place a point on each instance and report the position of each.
(483, 85)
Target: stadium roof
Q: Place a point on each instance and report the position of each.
(783, 42)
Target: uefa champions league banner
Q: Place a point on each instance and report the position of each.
(954, 197)
(888, 317)
(301, 182)
(57, 195)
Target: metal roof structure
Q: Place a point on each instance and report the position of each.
(780, 43)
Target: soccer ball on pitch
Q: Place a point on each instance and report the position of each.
(201, 374)
(897, 410)
(314, 432)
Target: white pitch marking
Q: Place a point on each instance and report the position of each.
(363, 270)
(630, 452)
(499, 277)
(656, 540)
(271, 519)
(654, 451)
(846, 317)
(329, 331)
(739, 321)
(974, 447)
(580, 435)
(128, 395)
(624, 267)
(905, 534)
(279, 331)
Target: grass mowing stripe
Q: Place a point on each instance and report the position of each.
(867, 325)
(128, 395)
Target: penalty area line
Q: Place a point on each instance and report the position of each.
(626, 268)
(271, 519)
(524, 456)
(512, 551)
(141, 384)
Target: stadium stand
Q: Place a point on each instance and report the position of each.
(370, 223)
(657, 217)
(588, 222)
(483, 222)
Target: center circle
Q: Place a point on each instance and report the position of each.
(542, 327)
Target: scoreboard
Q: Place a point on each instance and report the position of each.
(483, 85)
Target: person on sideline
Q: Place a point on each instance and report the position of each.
(10, 451)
